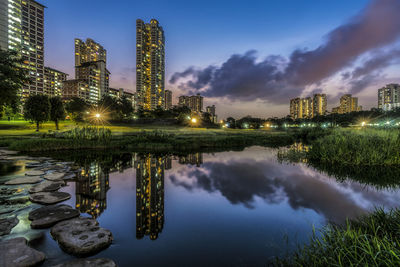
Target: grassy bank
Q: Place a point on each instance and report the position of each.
(364, 147)
(372, 240)
(150, 140)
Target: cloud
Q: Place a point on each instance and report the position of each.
(241, 181)
(276, 79)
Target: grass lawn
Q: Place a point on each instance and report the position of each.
(25, 128)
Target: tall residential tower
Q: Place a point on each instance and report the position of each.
(22, 30)
(150, 65)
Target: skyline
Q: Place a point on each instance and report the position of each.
(205, 44)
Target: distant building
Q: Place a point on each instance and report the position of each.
(389, 97)
(168, 99)
(53, 81)
(347, 104)
(90, 66)
(306, 108)
(75, 88)
(22, 30)
(319, 105)
(119, 93)
(150, 65)
(195, 102)
(213, 116)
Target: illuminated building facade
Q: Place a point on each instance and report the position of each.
(347, 104)
(149, 196)
(90, 66)
(53, 81)
(301, 108)
(213, 116)
(168, 99)
(319, 105)
(150, 65)
(22, 30)
(91, 190)
(75, 88)
(194, 102)
(389, 97)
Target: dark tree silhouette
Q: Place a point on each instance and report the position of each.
(37, 109)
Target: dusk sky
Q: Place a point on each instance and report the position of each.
(246, 57)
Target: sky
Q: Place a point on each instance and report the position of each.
(246, 57)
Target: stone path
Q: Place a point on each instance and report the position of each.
(81, 236)
(7, 224)
(16, 253)
(46, 217)
(48, 198)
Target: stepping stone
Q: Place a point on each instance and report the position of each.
(81, 236)
(24, 180)
(54, 176)
(46, 186)
(7, 224)
(102, 262)
(69, 176)
(34, 173)
(8, 152)
(16, 253)
(48, 198)
(46, 217)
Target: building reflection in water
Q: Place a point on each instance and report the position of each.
(92, 185)
(192, 159)
(150, 195)
(91, 190)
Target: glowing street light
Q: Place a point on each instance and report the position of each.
(363, 124)
(193, 120)
(97, 115)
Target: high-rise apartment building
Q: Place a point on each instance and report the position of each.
(194, 102)
(389, 97)
(53, 81)
(319, 105)
(168, 99)
(301, 108)
(150, 64)
(22, 30)
(90, 66)
(306, 108)
(213, 116)
(119, 93)
(347, 104)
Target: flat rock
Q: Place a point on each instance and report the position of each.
(34, 173)
(46, 186)
(7, 224)
(81, 236)
(8, 152)
(69, 176)
(16, 253)
(24, 180)
(48, 198)
(46, 217)
(54, 176)
(102, 262)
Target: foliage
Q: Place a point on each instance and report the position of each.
(77, 108)
(12, 77)
(371, 240)
(366, 147)
(88, 133)
(37, 109)
(57, 111)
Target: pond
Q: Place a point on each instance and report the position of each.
(237, 208)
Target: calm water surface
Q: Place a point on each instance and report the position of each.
(222, 209)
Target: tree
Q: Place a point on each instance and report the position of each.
(57, 111)
(12, 77)
(77, 108)
(126, 107)
(109, 105)
(37, 109)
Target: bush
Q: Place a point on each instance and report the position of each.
(88, 133)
